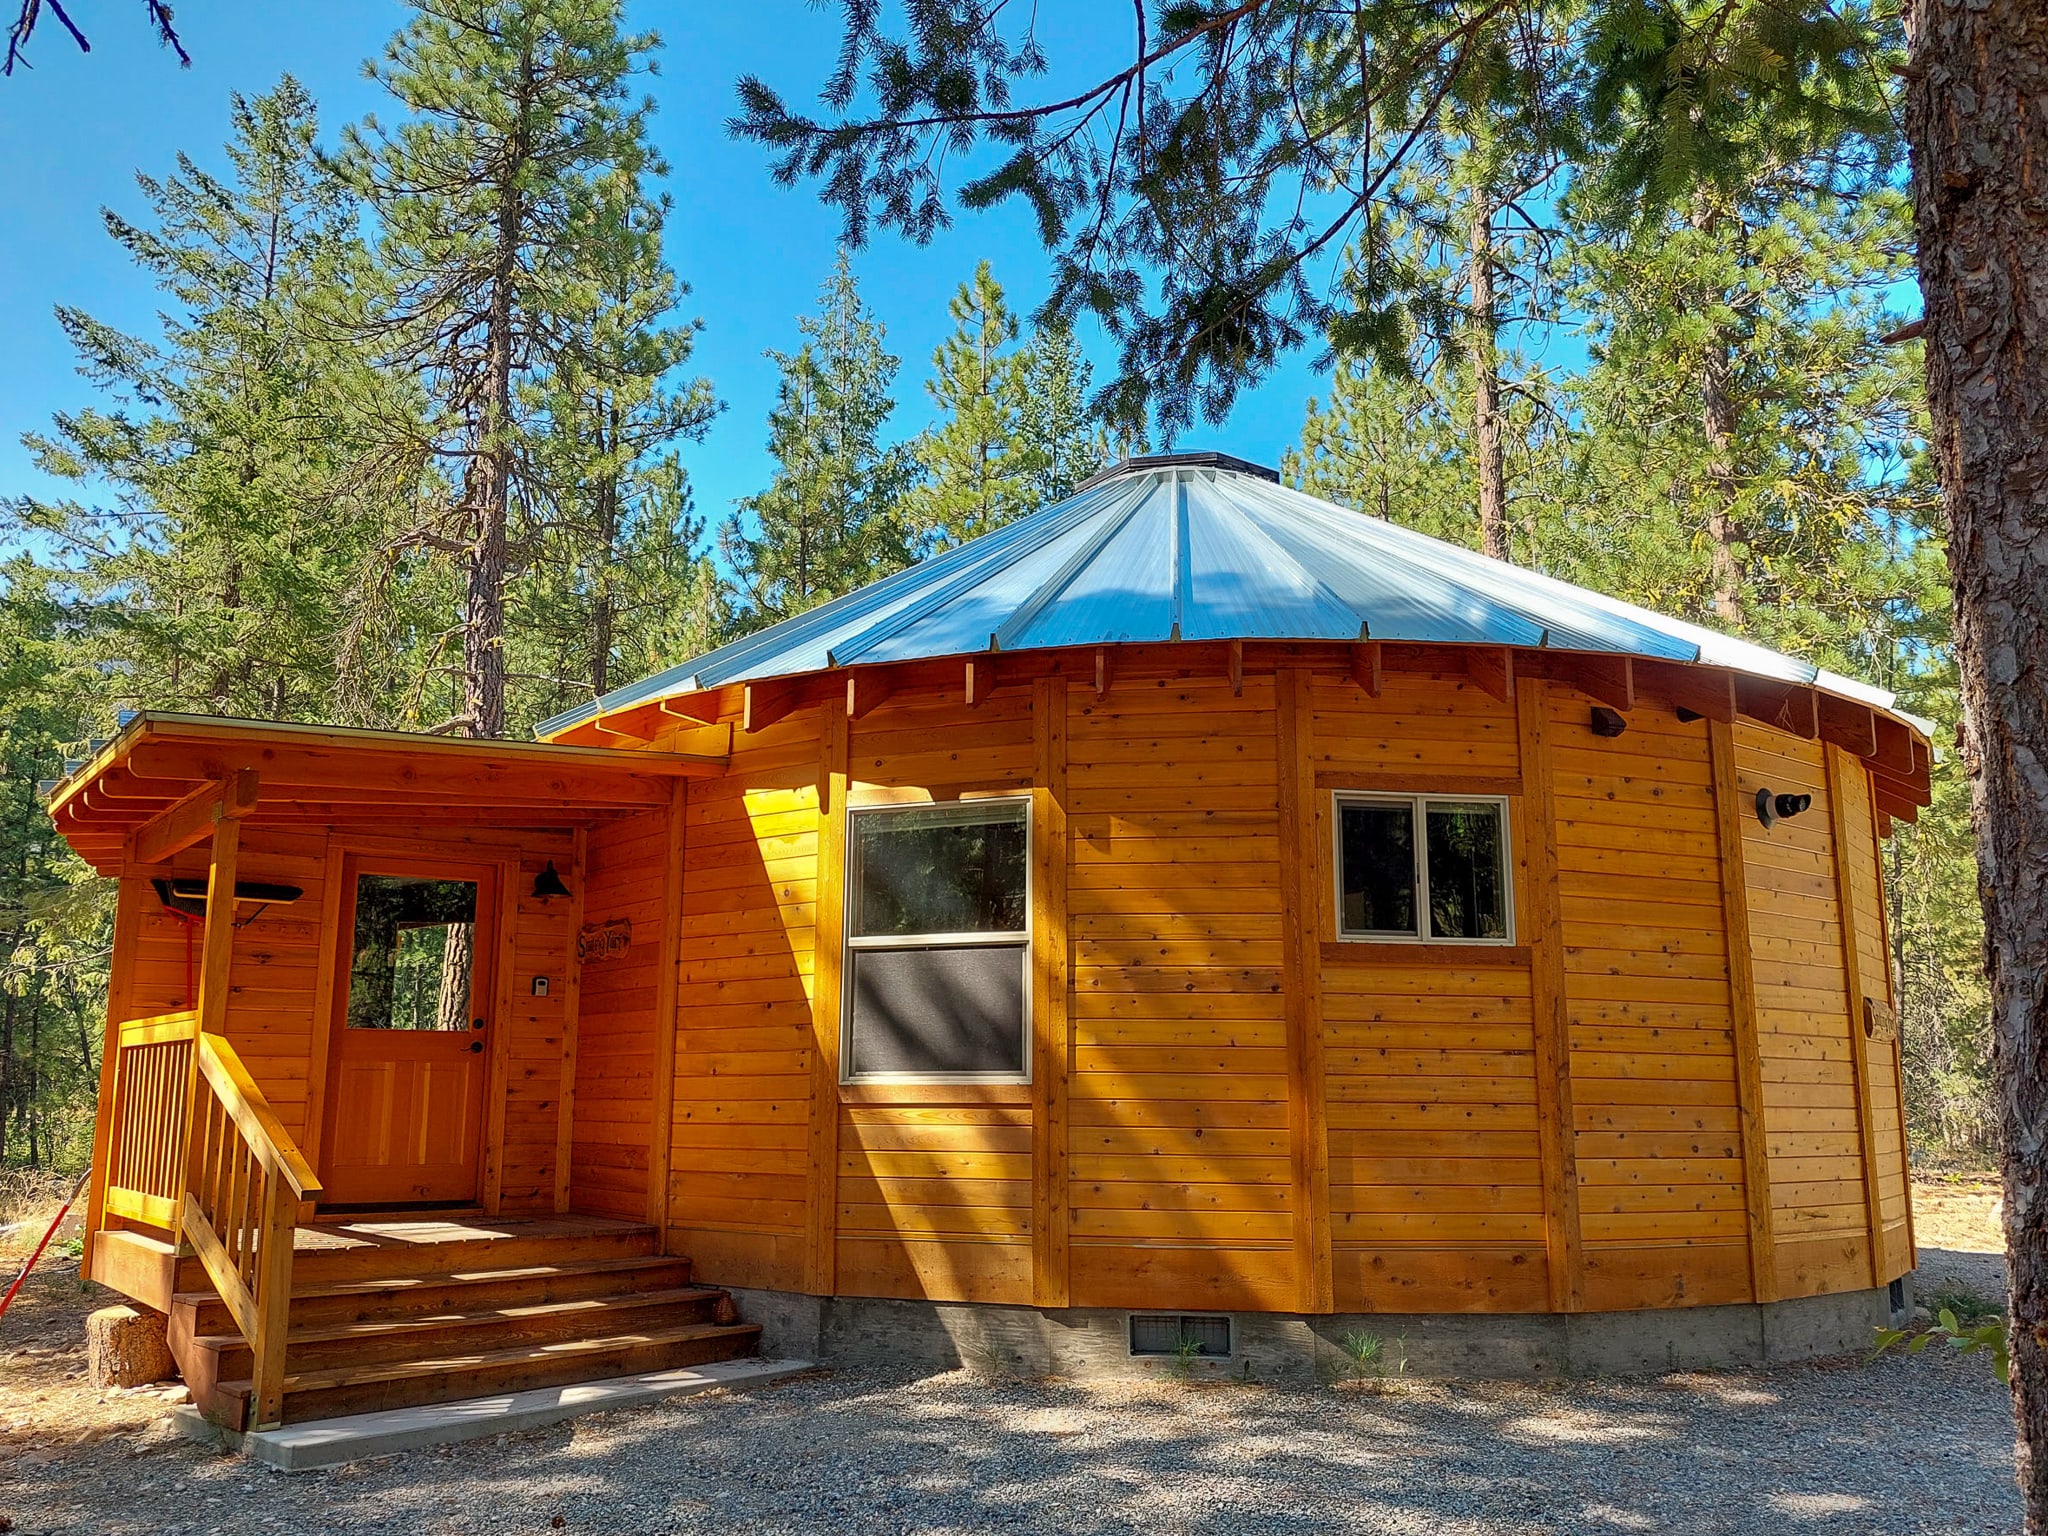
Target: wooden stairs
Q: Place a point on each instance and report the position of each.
(391, 1314)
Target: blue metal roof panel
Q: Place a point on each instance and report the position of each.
(1203, 551)
(1242, 584)
(1125, 593)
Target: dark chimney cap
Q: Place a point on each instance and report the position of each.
(1145, 461)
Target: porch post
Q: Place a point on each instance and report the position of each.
(216, 950)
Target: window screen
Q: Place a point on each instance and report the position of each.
(938, 942)
(1417, 867)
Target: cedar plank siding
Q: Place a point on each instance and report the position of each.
(1179, 1179)
(1436, 1181)
(276, 1018)
(1656, 1137)
(1179, 1168)
(1810, 1113)
(615, 1051)
(737, 1190)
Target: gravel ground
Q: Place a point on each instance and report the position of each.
(1900, 1447)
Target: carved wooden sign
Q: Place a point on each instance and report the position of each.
(604, 941)
(1880, 1020)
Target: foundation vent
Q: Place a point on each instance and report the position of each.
(1176, 1333)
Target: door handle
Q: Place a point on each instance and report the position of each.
(476, 1023)
(476, 1047)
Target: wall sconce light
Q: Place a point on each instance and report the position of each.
(1607, 722)
(547, 883)
(1772, 809)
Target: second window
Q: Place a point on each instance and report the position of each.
(1423, 867)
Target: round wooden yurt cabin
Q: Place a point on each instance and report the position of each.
(1201, 912)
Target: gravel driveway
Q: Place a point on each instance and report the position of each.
(1902, 1446)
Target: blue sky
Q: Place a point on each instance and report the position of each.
(75, 129)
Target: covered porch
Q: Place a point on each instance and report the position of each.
(343, 1032)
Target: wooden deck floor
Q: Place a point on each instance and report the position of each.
(422, 1232)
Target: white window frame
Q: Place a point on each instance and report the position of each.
(966, 810)
(1418, 807)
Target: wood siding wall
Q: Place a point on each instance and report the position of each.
(739, 1163)
(1554, 1123)
(618, 1029)
(279, 999)
(1653, 1072)
(1436, 1158)
(1660, 1093)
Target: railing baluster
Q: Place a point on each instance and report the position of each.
(193, 1145)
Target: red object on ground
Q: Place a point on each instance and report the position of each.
(62, 1211)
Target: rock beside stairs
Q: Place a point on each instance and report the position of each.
(127, 1347)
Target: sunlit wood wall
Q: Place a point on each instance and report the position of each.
(1661, 1094)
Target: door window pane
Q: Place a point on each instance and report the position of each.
(1467, 891)
(1377, 856)
(952, 869)
(414, 959)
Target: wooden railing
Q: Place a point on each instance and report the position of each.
(150, 1128)
(196, 1149)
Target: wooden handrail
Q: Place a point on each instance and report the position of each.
(260, 1128)
(249, 1188)
(194, 1147)
(165, 1026)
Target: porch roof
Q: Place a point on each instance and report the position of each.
(160, 785)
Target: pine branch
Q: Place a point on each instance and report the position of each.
(160, 20)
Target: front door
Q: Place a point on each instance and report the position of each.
(412, 1027)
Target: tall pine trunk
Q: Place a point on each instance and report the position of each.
(483, 599)
(1977, 122)
(1717, 424)
(1483, 344)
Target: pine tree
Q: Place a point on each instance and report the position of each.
(1779, 508)
(1402, 446)
(228, 448)
(1061, 441)
(618, 548)
(831, 518)
(496, 238)
(977, 474)
(55, 916)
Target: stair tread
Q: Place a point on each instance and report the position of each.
(554, 1349)
(427, 1322)
(399, 1285)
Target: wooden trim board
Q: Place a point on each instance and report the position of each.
(1052, 1041)
(667, 992)
(1309, 1139)
(821, 1191)
(1749, 1071)
(1852, 977)
(1550, 1013)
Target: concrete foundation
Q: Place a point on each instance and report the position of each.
(331, 1442)
(1094, 1343)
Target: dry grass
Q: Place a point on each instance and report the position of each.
(29, 1198)
(1957, 1211)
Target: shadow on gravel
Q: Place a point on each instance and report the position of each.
(1898, 1447)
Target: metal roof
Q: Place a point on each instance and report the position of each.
(1203, 547)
